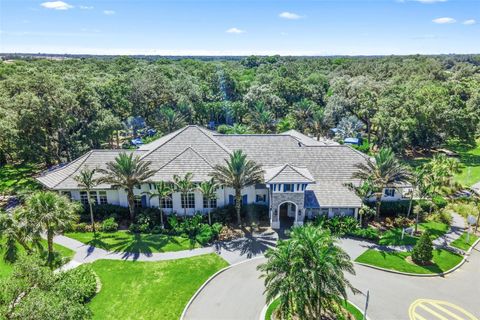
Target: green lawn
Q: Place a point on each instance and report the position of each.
(394, 236)
(17, 178)
(462, 243)
(350, 308)
(150, 290)
(123, 241)
(443, 260)
(470, 159)
(6, 268)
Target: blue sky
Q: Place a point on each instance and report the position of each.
(240, 27)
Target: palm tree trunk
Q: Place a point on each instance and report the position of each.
(131, 204)
(91, 211)
(50, 243)
(185, 204)
(378, 204)
(238, 205)
(410, 205)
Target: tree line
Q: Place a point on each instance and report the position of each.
(52, 111)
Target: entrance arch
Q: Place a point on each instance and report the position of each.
(287, 212)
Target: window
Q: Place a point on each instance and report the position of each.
(390, 192)
(152, 186)
(209, 204)
(288, 188)
(84, 198)
(102, 197)
(166, 203)
(188, 200)
(93, 197)
(67, 194)
(324, 211)
(261, 198)
(137, 201)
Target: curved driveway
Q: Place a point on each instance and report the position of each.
(237, 292)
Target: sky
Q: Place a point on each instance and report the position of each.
(240, 27)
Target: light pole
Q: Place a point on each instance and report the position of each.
(366, 305)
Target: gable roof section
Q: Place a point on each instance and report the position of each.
(307, 141)
(188, 160)
(198, 138)
(288, 174)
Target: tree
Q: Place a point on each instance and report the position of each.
(306, 272)
(127, 171)
(163, 191)
(383, 171)
(238, 173)
(86, 181)
(422, 252)
(52, 213)
(209, 192)
(184, 186)
(15, 229)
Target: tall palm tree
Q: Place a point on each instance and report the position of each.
(51, 213)
(127, 171)
(163, 191)
(307, 273)
(238, 173)
(262, 119)
(184, 186)
(317, 123)
(382, 172)
(86, 181)
(209, 192)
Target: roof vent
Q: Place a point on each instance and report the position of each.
(299, 144)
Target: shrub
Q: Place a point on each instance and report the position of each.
(157, 230)
(103, 211)
(79, 284)
(440, 202)
(368, 233)
(442, 216)
(223, 128)
(422, 252)
(249, 213)
(337, 225)
(134, 228)
(79, 227)
(109, 225)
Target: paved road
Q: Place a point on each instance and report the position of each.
(237, 293)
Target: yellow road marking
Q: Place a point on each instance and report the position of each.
(431, 311)
(438, 304)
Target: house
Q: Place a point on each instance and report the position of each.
(303, 176)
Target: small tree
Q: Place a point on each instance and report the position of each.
(86, 181)
(423, 251)
(209, 192)
(184, 186)
(163, 191)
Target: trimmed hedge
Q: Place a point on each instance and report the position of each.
(249, 213)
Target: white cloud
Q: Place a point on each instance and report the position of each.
(290, 15)
(430, 1)
(444, 20)
(469, 22)
(109, 12)
(235, 30)
(56, 5)
(86, 7)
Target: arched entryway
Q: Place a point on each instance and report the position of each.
(287, 211)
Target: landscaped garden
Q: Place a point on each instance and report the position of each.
(150, 290)
(462, 243)
(393, 237)
(442, 261)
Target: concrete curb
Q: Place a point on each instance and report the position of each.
(428, 275)
(182, 317)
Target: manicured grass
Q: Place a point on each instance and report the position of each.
(462, 243)
(123, 241)
(393, 237)
(470, 160)
(443, 260)
(276, 303)
(150, 290)
(6, 268)
(17, 178)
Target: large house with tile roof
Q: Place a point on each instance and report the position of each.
(302, 176)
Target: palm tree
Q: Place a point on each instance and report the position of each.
(51, 213)
(163, 191)
(306, 272)
(127, 171)
(184, 186)
(317, 123)
(238, 173)
(209, 192)
(86, 181)
(381, 172)
(262, 120)
(364, 192)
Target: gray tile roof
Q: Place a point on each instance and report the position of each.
(288, 174)
(197, 150)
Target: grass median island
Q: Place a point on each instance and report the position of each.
(123, 241)
(6, 268)
(461, 243)
(443, 260)
(393, 237)
(357, 315)
(150, 290)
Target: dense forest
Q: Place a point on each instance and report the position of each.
(53, 110)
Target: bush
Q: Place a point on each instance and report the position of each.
(440, 202)
(250, 213)
(422, 252)
(79, 284)
(134, 228)
(109, 225)
(223, 128)
(442, 216)
(337, 225)
(368, 233)
(103, 211)
(79, 227)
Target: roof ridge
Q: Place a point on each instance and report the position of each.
(295, 169)
(278, 172)
(181, 153)
(169, 139)
(88, 156)
(213, 140)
